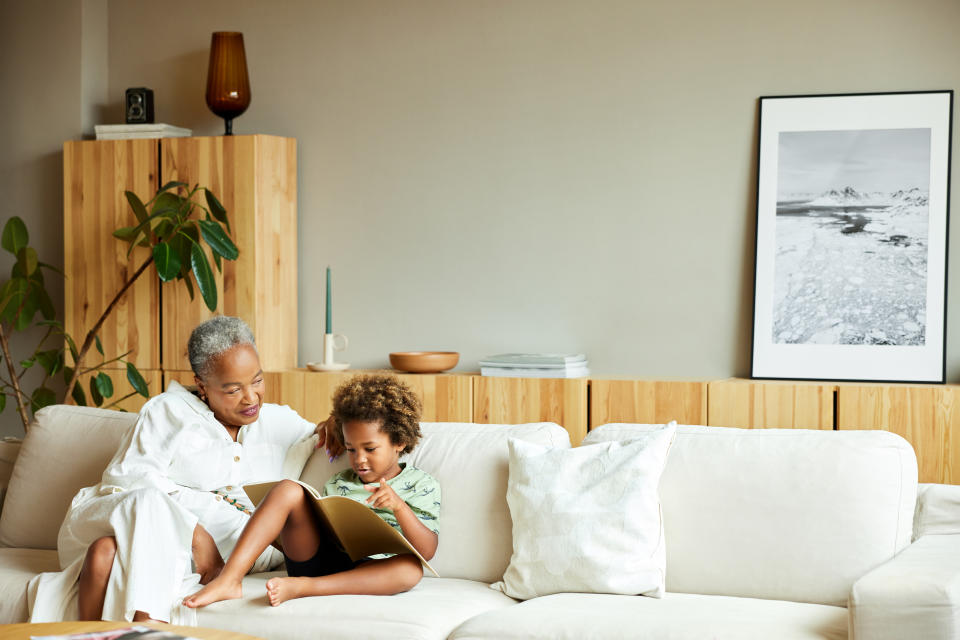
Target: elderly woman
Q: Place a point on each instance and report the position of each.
(170, 505)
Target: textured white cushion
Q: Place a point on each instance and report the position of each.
(17, 568)
(297, 456)
(938, 510)
(587, 519)
(470, 461)
(66, 449)
(677, 616)
(429, 611)
(785, 514)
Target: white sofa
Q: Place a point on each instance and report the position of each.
(769, 534)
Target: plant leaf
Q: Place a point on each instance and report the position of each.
(27, 362)
(46, 304)
(187, 281)
(52, 268)
(73, 348)
(3, 402)
(15, 236)
(27, 310)
(166, 260)
(104, 384)
(172, 185)
(96, 341)
(219, 241)
(42, 397)
(51, 360)
(27, 260)
(139, 210)
(95, 393)
(79, 396)
(217, 261)
(216, 208)
(167, 204)
(204, 276)
(127, 234)
(14, 292)
(136, 380)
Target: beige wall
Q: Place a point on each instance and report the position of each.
(535, 175)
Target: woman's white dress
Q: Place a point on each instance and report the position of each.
(158, 487)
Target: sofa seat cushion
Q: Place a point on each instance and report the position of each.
(17, 568)
(677, 616)
(432, 609)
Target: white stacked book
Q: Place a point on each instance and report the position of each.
(535, 365)
(129, 131)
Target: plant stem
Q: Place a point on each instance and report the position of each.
(21, 407)
(119, 400)
(106, 362)
(92, 334)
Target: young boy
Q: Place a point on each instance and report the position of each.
(379, 417)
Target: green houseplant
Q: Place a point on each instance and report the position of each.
(174, 226)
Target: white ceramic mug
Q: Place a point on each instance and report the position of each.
(333, 342)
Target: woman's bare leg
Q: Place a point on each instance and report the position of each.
(94, 576)
(376, 577)
(286, 513)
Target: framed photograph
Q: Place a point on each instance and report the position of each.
(852, 214)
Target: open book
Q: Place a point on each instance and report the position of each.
(359, 530)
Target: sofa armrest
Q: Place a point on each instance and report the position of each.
(914, 595)
(9, 448)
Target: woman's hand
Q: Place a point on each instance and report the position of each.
(206, 556)
(384, 497)
(329, 432)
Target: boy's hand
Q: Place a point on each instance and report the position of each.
(384, 497)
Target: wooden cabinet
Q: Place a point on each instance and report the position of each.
(928, 416)
(647, 401)
(754, 404)
(255, 179)
(517, 400)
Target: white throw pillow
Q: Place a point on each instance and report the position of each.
(587, 519)
(297, 456)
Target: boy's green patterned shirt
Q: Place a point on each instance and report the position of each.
(417, 488)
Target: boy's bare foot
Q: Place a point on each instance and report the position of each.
(219, 589)
(283, 589)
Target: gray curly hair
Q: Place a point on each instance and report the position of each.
(214, 336)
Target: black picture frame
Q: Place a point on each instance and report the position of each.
(850, 277)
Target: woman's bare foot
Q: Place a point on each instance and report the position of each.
(283, 589)
(220, 588)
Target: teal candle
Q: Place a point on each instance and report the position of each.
(329, 324)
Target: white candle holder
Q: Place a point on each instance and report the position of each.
(331, 342)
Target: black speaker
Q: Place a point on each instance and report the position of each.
(139, 105)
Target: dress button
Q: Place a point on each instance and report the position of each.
(116, 489)
(219, 498)
(236, 458)
(229, 488)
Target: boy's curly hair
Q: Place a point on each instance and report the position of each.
(382, 398)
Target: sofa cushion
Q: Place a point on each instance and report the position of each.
(66, 449)
(471, 463)
(938, 510)
(431, 610)
(677, 616)
(785, 514)
(587, 519)
(17, 568)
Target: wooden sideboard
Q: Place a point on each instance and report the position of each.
(927, 416)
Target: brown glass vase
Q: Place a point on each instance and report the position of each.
(228, 85)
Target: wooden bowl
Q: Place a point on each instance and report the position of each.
(424, 361)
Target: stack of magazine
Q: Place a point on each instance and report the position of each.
(535, 365)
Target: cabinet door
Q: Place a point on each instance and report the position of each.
(254, 178)
(927, 416)
(519, 400)
(770, 404)
(445, 398)
(647, 401)
(95, 174)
